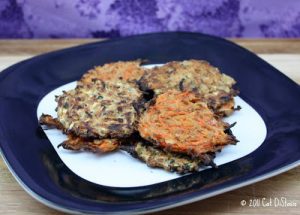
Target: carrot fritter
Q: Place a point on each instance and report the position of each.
(127, 71)
(198, 76)
(99, 109)
(181, 122)
(93, 145)
(172, 162)
(78, 143)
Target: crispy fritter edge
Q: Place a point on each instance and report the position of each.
(78, 143)
(204, 160)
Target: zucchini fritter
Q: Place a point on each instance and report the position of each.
(181, 122)
(99, 110)
(127, 71)
(198, 76)
(172, 162)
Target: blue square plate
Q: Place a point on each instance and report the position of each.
(37, 167)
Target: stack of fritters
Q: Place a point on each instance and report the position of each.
(206, 81)
(178, 129)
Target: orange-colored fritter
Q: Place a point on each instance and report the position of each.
(181, 122)
(127, 71)
(78, 143)
(93, 145)
(198, 76)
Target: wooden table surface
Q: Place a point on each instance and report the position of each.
(283, 54)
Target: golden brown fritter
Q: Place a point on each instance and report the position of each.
(123, 70)
(93, 145)
(181, 122)
(99, 109)
(172, 162)
(78, 143)
(198, 76)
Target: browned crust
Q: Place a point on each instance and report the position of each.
(169, 161)
(51, 122)
(225, 109)
(78, 143)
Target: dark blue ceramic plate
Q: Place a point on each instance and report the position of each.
(37, 167)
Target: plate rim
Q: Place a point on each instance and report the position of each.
(191, 200)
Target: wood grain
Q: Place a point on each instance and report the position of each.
(34, 47)
(283, 54)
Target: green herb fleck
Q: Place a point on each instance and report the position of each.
(66, 105)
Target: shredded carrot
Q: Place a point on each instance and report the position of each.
(126, 71)
(180, 122)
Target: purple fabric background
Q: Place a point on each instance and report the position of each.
(114, 18)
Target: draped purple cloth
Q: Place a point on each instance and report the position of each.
(115, 18)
